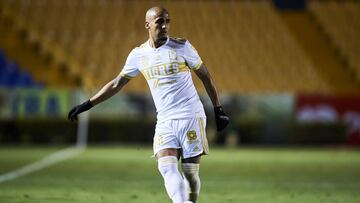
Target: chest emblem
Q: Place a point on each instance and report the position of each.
(172, 55)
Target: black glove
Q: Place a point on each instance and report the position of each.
(222, 120)
(79, 109)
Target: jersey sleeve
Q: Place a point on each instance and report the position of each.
(191, 56)
(130, 69)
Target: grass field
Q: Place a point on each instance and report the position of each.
(129, 174)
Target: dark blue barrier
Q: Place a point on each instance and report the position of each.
(290, 4)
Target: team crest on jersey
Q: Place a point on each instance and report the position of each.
(145, 61)
(191, 135)
(172, 55)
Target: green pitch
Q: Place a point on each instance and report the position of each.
(129, 174)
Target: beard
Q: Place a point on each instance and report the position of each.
(161, 39)
(162, 36)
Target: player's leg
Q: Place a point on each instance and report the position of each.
(166, 147)
(194, 144)
(168, 167)
(190, 169)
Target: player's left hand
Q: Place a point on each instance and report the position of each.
(222, 120)
(79, 109)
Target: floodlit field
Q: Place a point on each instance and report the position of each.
(129, 174)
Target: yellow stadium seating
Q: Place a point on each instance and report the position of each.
(341, 20)
(245, 45)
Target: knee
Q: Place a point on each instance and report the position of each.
(191, 171)
(191, 177)
(167, 164)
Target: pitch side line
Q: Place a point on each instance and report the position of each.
(42, 163)
(81, 143)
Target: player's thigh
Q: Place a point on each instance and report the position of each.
(165, 140)
(192, 137)
(168, 152)
(195, 159)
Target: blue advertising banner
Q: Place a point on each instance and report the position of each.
(35, 103)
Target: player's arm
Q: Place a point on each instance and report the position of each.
(209, 84)
(222, 120)
(107, 91)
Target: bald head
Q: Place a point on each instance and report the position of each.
(157, 22)
(154, 12)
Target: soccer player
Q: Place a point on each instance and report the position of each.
(165, 63)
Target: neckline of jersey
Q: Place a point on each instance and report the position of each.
(156, 49)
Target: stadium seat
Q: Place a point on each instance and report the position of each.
(340, 19)
(245, 44)
(12, 76)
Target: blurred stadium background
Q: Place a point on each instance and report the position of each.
(288, 73)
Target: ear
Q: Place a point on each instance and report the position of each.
(147, 26)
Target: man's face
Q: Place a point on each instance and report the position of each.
(158, 26)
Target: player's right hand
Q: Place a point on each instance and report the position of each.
(79, 109)
(222, 120)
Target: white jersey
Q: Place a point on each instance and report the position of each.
(167, 71)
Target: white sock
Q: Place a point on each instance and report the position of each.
(192, 180)
(174, 183)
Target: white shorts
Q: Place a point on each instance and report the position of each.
(185, 134)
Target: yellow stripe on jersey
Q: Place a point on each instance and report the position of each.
(156, 83)
(198, 65)
(125, 76)
(164, 70)
(204, 141)
(183, 67)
